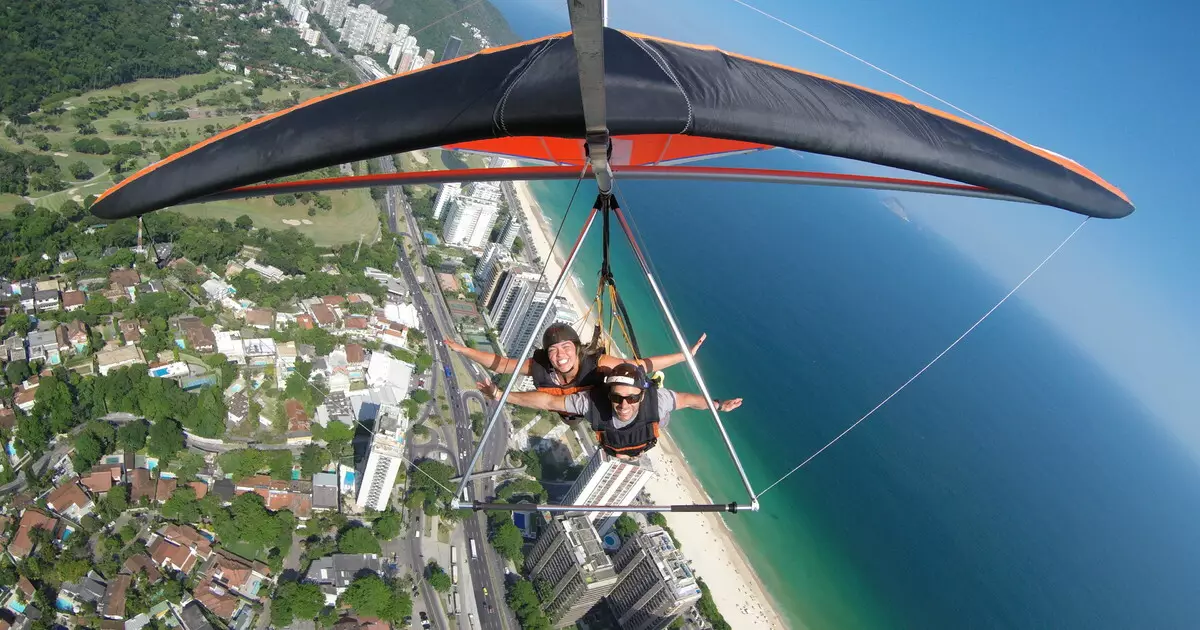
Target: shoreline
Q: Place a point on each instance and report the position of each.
(736, 589)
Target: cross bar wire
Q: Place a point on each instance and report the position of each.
(526, 352)
(687, 353)
(553, 507)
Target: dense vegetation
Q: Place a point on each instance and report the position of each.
(65, 399)
(523, 600)
(51, 48)
(52, 51)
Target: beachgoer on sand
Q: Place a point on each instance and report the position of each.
(627, 410)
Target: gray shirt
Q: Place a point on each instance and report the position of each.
(579, 404)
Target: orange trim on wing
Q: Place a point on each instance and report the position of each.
(317, 99)
(1057, 159)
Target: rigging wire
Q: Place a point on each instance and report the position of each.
(930, 364)
(867, 63)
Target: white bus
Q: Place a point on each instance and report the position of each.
(474, 556)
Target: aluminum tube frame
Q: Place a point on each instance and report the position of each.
(525, 354)
(732, 508)
(687, 353)
(587, 33)
(652, 173)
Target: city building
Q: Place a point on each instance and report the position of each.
(485, 267)
(22, 543)
(384, 460)
(606, 480)
(521, 323)
(43, 346)
(512, 229)
(110, 359)
(453, 45)
(325, 491)
(335, 573)
(73, 300)
(469, 218)
(655, 585)
(446, 194)
(178, 547)
(70, 500)
(512, 289)
(569, 559)
(113, 605)
(394, 56)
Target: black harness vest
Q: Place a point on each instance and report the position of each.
(633, 439)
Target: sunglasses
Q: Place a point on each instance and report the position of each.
(631, 399)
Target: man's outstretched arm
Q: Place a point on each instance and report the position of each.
(533, 400)
(685, 400)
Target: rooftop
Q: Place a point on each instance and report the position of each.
(67, 496)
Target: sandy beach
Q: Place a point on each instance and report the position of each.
(738, 592)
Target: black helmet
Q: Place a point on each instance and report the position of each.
(558, 333)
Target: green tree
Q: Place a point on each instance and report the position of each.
(55, 405)
(18, 322)
(626, 526)
(243, 222)
(80, 170)
(337, 439)
(131, 436)
(371, 596)
(71, 210)
(708, 608)
(508, 542)
(437, 577)
(182, 506)
(88, 450)
(358, 540)
(420, 396)
(294, 600)
(313, 460)
(165, 439)
(17, 371)
(387, 526)
(433, 259)
(523, 600)
(187, 464)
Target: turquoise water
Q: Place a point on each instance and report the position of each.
(1014, 485)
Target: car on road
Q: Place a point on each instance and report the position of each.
(485, 591)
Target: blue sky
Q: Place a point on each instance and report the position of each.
(1105, 83)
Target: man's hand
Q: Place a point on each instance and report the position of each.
(728, 405)
(451, 344)
(489, 390)
(700, 342)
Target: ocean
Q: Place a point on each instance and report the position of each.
(1014, 485)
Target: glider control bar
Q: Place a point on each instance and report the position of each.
(677, 173)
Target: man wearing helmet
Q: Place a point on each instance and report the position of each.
(627, 411)
(560, 367)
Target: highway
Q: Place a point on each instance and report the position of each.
(488, 571)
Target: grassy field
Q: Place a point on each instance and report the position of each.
(354, 214)
(245, 550)
(146, 86)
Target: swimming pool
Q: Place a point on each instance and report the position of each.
(64, 604)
